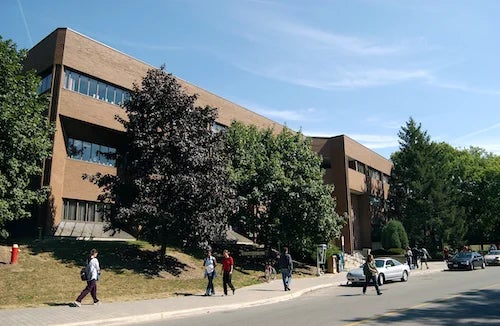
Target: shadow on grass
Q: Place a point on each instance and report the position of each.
(117, 256)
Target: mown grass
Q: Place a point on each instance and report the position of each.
(47, 273)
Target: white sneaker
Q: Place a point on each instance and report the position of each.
(97, 303)
(77, 304)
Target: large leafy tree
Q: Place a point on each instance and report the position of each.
(480, 194)
(422, 193)
(281, 193)
(174, 185)
(25, 137)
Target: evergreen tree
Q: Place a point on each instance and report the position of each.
(422, 195)
(25, 137)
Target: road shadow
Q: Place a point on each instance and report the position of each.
(470, 307)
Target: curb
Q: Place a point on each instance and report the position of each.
(151, 317)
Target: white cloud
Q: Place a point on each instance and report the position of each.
(480, 131)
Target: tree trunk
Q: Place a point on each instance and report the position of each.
(163, 252)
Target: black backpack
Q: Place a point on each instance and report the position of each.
(85, 272)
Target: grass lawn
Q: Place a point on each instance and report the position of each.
(47, 273)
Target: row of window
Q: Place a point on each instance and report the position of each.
(81, 210)
(92, 87)
(45, 84)
(90, 152)
(363, 168)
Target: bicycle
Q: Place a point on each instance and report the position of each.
(270, 272)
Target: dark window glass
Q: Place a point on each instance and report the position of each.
(84, 85)
(72, 210)
(101, 91)
(77, 149)
(110, 94)
(86, 151)
(80, 216)
(118, 97)
(91, 212)
(93, 88)
(112, 156)
(94, 156)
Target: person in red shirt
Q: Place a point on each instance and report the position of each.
(227, 271)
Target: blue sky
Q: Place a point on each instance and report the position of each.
(358, 67)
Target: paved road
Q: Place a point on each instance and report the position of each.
(441, 298)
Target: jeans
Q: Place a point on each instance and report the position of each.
(372, 278)
(210, 286)
(286, 275)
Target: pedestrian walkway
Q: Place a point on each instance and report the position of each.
(121, 313)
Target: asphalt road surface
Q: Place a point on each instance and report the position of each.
(440, 298)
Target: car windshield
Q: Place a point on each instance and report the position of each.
(494, 252)
(463, 255)
(379, 263)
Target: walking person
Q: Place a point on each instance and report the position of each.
(416, 254)
(209, 263)
(93, 276)
(425, 257)
(370, 271)
(286, 267)
(408, 255)
(227, 271)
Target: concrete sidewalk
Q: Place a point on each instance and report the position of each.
(121, 313)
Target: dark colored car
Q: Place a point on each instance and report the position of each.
(466, 260)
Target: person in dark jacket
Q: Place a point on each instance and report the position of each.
(370, 271)
(286, 266)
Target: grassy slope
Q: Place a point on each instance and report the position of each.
(47, 273)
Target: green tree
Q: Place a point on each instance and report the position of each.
(174, 187)
(25, 137)
(423, 195)
(282, 198)
(480, 194)
(394, 235)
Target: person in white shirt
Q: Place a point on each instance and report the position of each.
(209, 263)
(94, 271)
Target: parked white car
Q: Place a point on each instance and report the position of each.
(492, 257)
(388, 270)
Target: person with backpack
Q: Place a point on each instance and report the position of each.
(92, 272)
(370, 271)
(227, 271)
(286, 266)
(209, 263)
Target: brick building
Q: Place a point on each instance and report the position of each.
(88, 81)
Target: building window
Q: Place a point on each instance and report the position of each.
(361, 168)
(90, 152)
(45, 84)
(216, 127)
(94, 88)
(352, 164)
(374, 174)
(385, 178)
(84, 211)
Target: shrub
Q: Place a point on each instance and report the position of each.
(396, 251)
(394, 235)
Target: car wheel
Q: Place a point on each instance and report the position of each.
(381, 279)
(404, 278)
